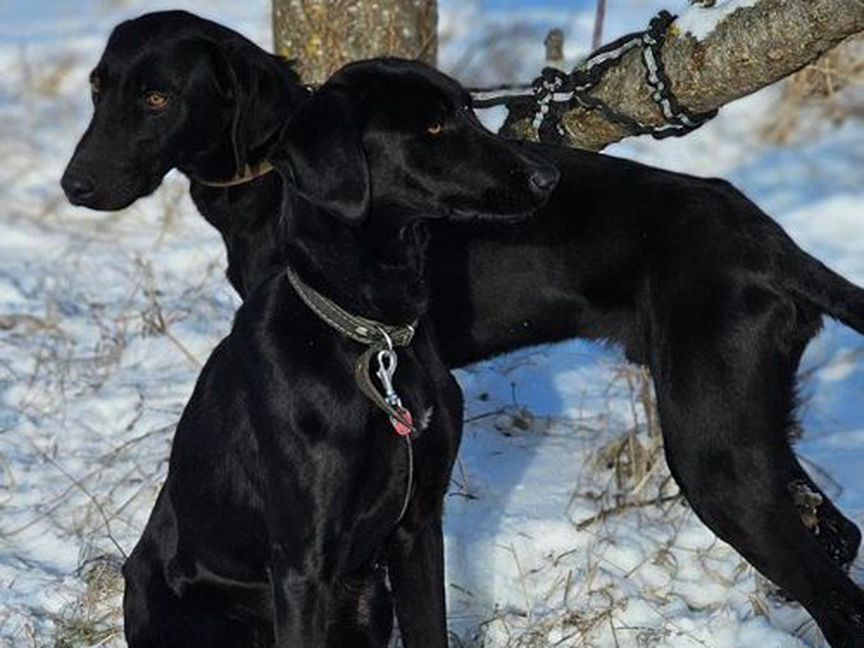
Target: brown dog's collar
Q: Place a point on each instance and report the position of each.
(249, 173)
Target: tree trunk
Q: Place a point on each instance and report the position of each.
(752, 47)
(324, 35)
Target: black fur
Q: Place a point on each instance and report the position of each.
(281, 508)
(691, 279)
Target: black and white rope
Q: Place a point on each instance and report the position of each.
(554, 92)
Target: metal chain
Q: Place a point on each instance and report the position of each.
(555, 92)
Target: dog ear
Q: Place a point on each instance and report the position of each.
(252, 79)
(321, 153)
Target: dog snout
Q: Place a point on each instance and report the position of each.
(544, 179)
(77, 186)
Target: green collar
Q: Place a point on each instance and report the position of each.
(360, 329)
(376, 336)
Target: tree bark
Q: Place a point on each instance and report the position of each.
(324, 35)
(749, 49)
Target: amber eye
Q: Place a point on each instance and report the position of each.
(435, 128)
(156, 100)
(95, 88)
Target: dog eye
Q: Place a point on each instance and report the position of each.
(95, 89)
(435, 128)
(156, 100)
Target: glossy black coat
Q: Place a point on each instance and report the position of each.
(281, 509)
(691, 279)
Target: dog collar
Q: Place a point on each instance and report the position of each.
(248, 174)
(360, 329)
(380, 340)
(378, 337)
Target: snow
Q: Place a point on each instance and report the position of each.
(106, 318)
(700, 21)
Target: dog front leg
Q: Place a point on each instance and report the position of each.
(299, 602)
(416, 565)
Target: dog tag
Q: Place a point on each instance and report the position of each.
(399, 426)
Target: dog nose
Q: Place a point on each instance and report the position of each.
(544, 179)
(77, 187)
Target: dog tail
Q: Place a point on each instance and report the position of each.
(834, 295)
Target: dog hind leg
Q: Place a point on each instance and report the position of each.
(154, 617)
(725, 393)
(838, 535)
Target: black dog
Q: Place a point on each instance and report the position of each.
(686, 274)
(286, 482)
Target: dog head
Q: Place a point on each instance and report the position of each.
(175, 90)
(401, 138)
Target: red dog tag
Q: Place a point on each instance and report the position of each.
(399, 426)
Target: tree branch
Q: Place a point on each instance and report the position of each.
(749, 49)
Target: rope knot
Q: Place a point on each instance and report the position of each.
(554, 92)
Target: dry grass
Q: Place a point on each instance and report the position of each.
(60, 352)
(831, 90)
(638, 473)
(581, 603)
(626, 476)
(94, 619)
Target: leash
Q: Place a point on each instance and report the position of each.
(553, 93)
(248, 174)
(381, 340)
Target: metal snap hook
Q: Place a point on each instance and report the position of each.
(387, 339)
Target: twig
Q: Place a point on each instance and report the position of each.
(89, 495)
(626, 506)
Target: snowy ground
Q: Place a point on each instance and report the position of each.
(105, 320)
